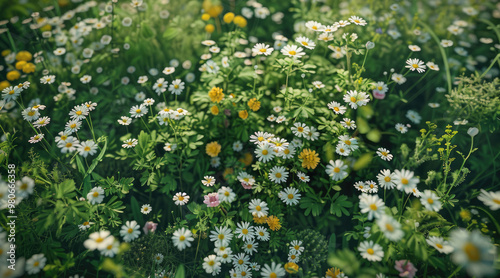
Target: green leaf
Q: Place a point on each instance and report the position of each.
(180, 272)
(136, 210)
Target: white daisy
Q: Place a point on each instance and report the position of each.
(146, 209)
(440, 244)
(130, 231)
(96, 195)
(290, 196)
(372, 205)
(336, 170)
(258, 208)
(384, 154)
(182, 238)
(278, 174)
(371, 251)
(430, 200)
(181, 198)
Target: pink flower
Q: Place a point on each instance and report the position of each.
(246, 185)
(378, 95)
(405, 268)
(212, 199)
(149, 227)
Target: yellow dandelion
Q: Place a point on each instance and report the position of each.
(213, 149)
(254, 104)
(216, 94)
(309, 158)
(274, 223)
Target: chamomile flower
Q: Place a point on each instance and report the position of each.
(181, 198)
(35, 264)
(314, 25)
(130, 231)
(261, 233)
(124, 120)
(24, 187)
(222, 235)
(158, 258)
(273, 271)
(337, 108)
(36, 138)
(390, 227)
(278, 174)
(279, 144)
(490, 199)
(398, 78)
(432, 66)
(430, 201)
(264, 152)
(290, 196)
(312, 134)
(237, 146)
(405, 180)
(356, 99)
(146, 209)
(85, 225)
(385, 179)
(96, 195)
(212, 264)
(415, 64)
(130, 143)
(294, 258)
(413, 116)
(441, 245)
(262, 49)
(87, 148)
(138, 111)
(41, 122)
(371, 251)
(414, 48)
(176, 87)
(384, 154)
(241, 260)
(98, 240)
(48, 79)
(336, 170)
(361, 186)
(349, 142)
(250, 246)
(307, 43)
(372, 205)
(258, 208)
(226, 255)
(245, 231)
(182, 238)
(296, 247)
(30, 114)
(292, 51)
(342, 149)
(160, 86)
(208, 181)
(303, 177)
(300, 129)
(226, 194)
(357, 20)
(474, 251)
(372, 187)
(260, 137)
(401, 128)
(11, 93)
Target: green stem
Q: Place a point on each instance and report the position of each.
(443, 54)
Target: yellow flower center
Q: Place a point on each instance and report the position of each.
(240, 261)
(404, 181)
(472, 252)
(347, 142)
(258, 208)
(243, 273)
(11, 92)
(389, 227)
(176, 86)
(36, 264)
(290, 196)
(315, 27)
(225, 256)
(439, 246)
(430, 201)
(249, 246)
(336, 170)
(138, 111)
(296, 247)
(244, 231)
(99, 239)
(370, 251)
(211, 263)
(496, 201)
(291, 52)
(95, 194)
(78, 113)
(130, 230)
(109, 247)
(293, 257)
(23, 186)
(221, 236)
(263, 50)
(373, 207)
(305, 43)
(353, 99)
(414, 66)
(182, 238)
(260, 138)
(265, 152)
(87, 149)
(387, 179)
(261, 233)
(86, 223)
(286, 151)
(31, 113)
(278, 175)
(226, 194)
(72, 125)
(384, 153)
(336, 109)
